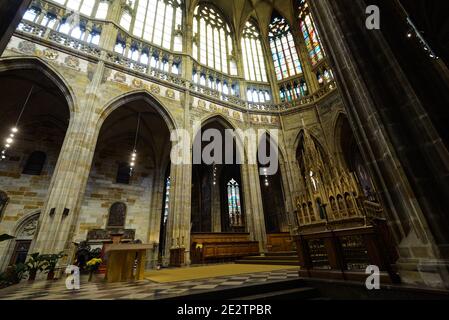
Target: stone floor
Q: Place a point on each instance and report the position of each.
(139, 290)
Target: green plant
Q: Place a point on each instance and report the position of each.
(36, 263)
(13, 275)
(51, 260)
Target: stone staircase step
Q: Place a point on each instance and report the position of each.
(269, 262)
(289, 294)
(282, 253)
(283, 289)
(284, 258)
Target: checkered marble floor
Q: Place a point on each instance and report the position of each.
(138, 290)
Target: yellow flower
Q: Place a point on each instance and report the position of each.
(94, 262)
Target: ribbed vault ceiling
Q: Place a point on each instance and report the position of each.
(237, 12)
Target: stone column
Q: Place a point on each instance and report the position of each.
(187, 62)
(396, 128)
(11, 13)
(254, 215)
(59, 217)
(110, 31)
(179, 219)
(216, 208)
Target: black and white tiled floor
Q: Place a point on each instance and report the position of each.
(139, 290)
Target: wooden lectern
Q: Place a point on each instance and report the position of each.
(126, 262)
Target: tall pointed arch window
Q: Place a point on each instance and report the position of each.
(234, 198)
(212, 40)
(310, 33)
(253, 57)
(285, 56)
(157, 21)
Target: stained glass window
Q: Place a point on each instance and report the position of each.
(253, 57)
(213, 44)
(310, 33)
(285, 56)
(234, 198)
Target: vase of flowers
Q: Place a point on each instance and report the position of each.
(93, 265)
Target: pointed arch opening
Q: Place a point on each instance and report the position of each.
(216, 204)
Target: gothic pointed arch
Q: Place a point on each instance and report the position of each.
(10, 65)
(139, 95)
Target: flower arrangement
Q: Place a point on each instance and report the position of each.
(93, 265)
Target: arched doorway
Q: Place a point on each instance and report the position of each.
(23, 237)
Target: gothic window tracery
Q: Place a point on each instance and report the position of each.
(310, 33)
(155, 21)
(212, 45)
(234, 206)
(285, 56)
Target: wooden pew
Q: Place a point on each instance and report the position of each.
(218, 247)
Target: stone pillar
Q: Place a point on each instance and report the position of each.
(254, 215)
(59, 217)
(216, 208)
(396, 128)
(179, 219)
(11, 13)
(110, 31)
(187, 62)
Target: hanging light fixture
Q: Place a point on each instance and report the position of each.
(133, 160)
(414, 31)
(267, 184)
(215, 175)
(9, 140)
